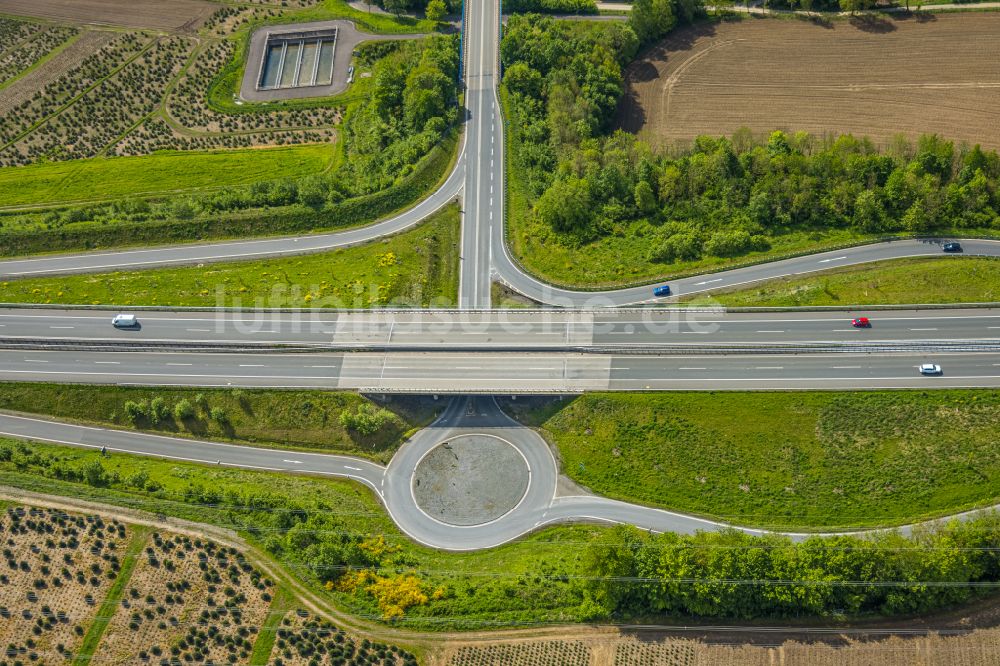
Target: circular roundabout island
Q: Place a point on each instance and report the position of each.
(470, 480)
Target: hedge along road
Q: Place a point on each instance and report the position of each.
(478, 176)
(540, 506)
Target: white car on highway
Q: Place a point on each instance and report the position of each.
(930, 369)
(125, 321)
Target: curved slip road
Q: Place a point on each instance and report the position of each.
(199, 253)
(514, 277)
(541, 506)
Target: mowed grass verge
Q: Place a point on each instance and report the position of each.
(102, 178)
(786, 460)
(416, 268)
(258, 417)
(894, 282)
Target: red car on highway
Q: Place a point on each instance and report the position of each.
(861, 322)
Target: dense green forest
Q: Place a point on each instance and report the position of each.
(723, 197)
(412, 106)
(735, 575)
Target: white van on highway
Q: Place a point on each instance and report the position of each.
(125, 321)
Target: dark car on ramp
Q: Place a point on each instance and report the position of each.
(952, 247)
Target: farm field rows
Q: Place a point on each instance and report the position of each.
(164, 597)
(190, 598)
(977, 648)
(152, 14)
(134, 93)
(767, 74)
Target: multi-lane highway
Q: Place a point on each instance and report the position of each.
(507, 351)
(515, 372)
(451, 330)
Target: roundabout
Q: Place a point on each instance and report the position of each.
(470, 480)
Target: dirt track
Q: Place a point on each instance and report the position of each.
(174, 15)
(877, 78)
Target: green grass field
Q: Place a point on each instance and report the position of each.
(527, 581)
(793, 460)
(899, 281)
(417, 268)
(273, 418)
(102, 178)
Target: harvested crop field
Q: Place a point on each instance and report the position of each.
(184, 15)
(943, 77)
(597, 647)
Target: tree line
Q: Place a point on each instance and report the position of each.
(730, 574)
(723, 196)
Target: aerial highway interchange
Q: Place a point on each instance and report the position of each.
(585, 346)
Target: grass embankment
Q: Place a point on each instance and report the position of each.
(414, 268)
(792, 460)
(899, 281)
(619, 261)
(531, 580)
(286, 419)
(26, 232)
(101, 178)
(107, 611)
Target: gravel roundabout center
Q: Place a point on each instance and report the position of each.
(470, 480)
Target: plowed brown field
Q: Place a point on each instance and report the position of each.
(934, 75)
(156, 14)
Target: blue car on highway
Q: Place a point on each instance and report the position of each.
(662, 290)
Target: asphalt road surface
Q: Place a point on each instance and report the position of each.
(540, 506)
(451, 330)
(483, 191)
(515, 372)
